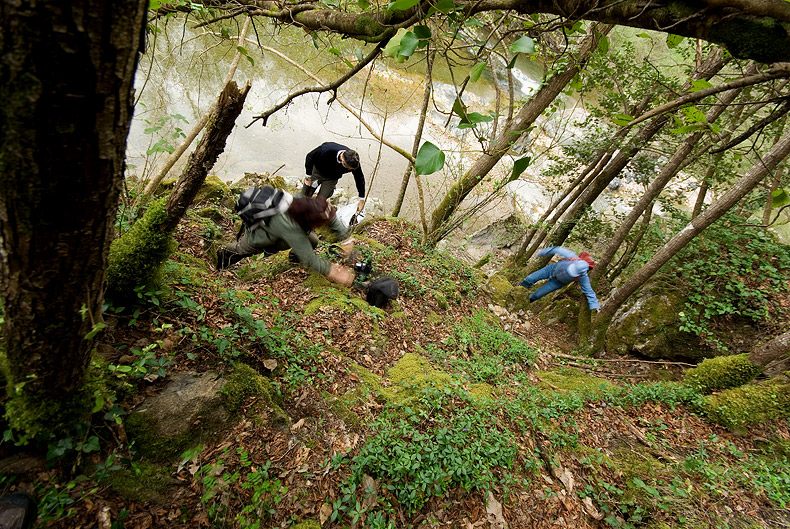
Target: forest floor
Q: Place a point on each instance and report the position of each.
(557, 440)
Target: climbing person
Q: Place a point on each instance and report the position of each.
(570, 268)
(275, 221)
(325, 165)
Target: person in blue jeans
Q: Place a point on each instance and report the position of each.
(571, 268)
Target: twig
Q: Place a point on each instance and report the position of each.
(635, 360)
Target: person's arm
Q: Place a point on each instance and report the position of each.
(587, 290)
(557, 250)
(338, 228)
(309, 161)
(359, 179)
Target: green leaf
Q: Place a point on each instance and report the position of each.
(477, 71)
(473, 22)
(622, 119)
(686, 129)
(699, 84)
(250, 60)
(429, 159)
(460, 109)
(477, 117)
(422, 32)
(512, 62)
(241, 50)
(358, 54)
(603, 44)
(408, 44)
(445, 6)
(643, 36)
(779, 198)
(154, 4)
(363, 4)
(401, 5)
(673, 40)
(523, 45)
(519, 166)
(392, 49)
(91, 445)
(695, 115)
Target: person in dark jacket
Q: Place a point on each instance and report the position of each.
(292, 230)
(324, 166)
(571, 268)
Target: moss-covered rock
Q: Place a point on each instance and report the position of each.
(722, 372)
(137, 257)
(749, 404)
(215, 191)
(648, 325)
(244, 383)
(440, 299)
(498, 287)
(307, 524)
(188, 411)
(259, 180)
(212, 213)
(412, 373)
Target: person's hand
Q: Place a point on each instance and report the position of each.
(361, 205)
(341, 275)
(308, 181)
(347, 246)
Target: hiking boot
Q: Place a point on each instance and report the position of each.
(293, 258)
(226, 258)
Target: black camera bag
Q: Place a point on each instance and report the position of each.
(381, 291)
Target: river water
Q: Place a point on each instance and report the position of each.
(183, 70)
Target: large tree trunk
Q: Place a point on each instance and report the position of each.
(523, 120)
(67, 76)
(739, 190)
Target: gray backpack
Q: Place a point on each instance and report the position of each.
(257, 205)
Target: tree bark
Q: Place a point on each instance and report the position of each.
(68, 70)
(739, 190)
(773, 355)
(523, 120)
(227, 108)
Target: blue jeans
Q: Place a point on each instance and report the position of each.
(547, 272)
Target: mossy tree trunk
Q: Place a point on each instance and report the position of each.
(521, 123)
(220, 124)
(67, 72)
(752, 29)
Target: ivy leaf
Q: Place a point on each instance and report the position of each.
(523, 45)
(363, 4)
(392, 49)
(519, 166)
(673, 40)
(460, 110)
(401, 5)
(422, 32)
(91, 445)
(779, 198)
(429, 159)
(477, 71)
(408, 44)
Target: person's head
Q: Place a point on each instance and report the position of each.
(311, 213)
(350, 159)
(584, 256)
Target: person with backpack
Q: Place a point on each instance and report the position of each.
(325, 165)
(274, 221)
(570, 268)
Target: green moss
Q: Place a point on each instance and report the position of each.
(145, 482)
(722, 372)
(440, 299)
(212, 213)
(137, 257)
(748, 404)
(307, 524)
(341, 406)
(243, 384)
(412, 373)
(214, 190)
(484, 261)
(434, 318)
(498, 287)
(571, 379)
(371, 381)
(762, 39)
